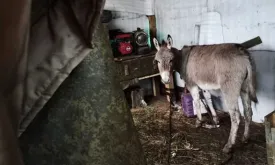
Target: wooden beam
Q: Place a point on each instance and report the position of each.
(251, 43)
(145, 77)
(270, 137)
(152, 28)
(155, 83)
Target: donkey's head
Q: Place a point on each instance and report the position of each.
(164, 58)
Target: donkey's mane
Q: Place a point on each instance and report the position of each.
(163, 44)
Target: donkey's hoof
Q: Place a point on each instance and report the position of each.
(245, 139)
(216, 120)
(198, 123)
(227, 149)
(176, 107)
(143, 103)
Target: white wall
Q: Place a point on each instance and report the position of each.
(218, 21)
(135, 6)
(128, 21)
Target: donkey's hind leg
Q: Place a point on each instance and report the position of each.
(231, 103)
(208, 99)
(247, 114)
(197, 104)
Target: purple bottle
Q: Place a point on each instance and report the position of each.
(187, 104)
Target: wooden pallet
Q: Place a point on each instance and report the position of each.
(270, 137)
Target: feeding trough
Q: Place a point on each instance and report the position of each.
(270, 137)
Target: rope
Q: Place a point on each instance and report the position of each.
(170, 130)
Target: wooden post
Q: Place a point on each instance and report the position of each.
(155, 83)
(270, 137)
(153, 33)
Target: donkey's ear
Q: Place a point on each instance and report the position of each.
(156, 43)
(169, 41)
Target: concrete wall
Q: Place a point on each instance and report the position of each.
(217, 21)
(128, 21)
(145, 7)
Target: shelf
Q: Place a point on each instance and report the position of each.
(131, 57)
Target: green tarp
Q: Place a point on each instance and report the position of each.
(87, 121)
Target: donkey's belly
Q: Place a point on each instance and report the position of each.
(208, 86)
(216, 93)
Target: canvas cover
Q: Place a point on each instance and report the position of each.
(60, 38)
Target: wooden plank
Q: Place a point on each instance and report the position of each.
(139, 67)
(251, 43)
(152, 28)
(272, 130)
(273, 120)
(270, 153)
(132, 57)
(267, 132)
(155, 82)
(149, 76)
(270, 137)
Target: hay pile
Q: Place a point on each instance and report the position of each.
(192, 146)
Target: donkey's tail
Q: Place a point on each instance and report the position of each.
(252, 82)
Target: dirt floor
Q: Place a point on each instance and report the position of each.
(190, 145)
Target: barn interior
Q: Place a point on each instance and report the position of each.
(194, 23)
(88, 91)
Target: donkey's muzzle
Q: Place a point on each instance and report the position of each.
(165, 77)
(165, 82)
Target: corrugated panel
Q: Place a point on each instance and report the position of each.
(135, 6)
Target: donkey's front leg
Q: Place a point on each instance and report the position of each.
(196, 98)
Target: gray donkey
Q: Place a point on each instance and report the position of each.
(227, 67)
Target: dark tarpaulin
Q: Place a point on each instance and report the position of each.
(87, 121)
(60, 38)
